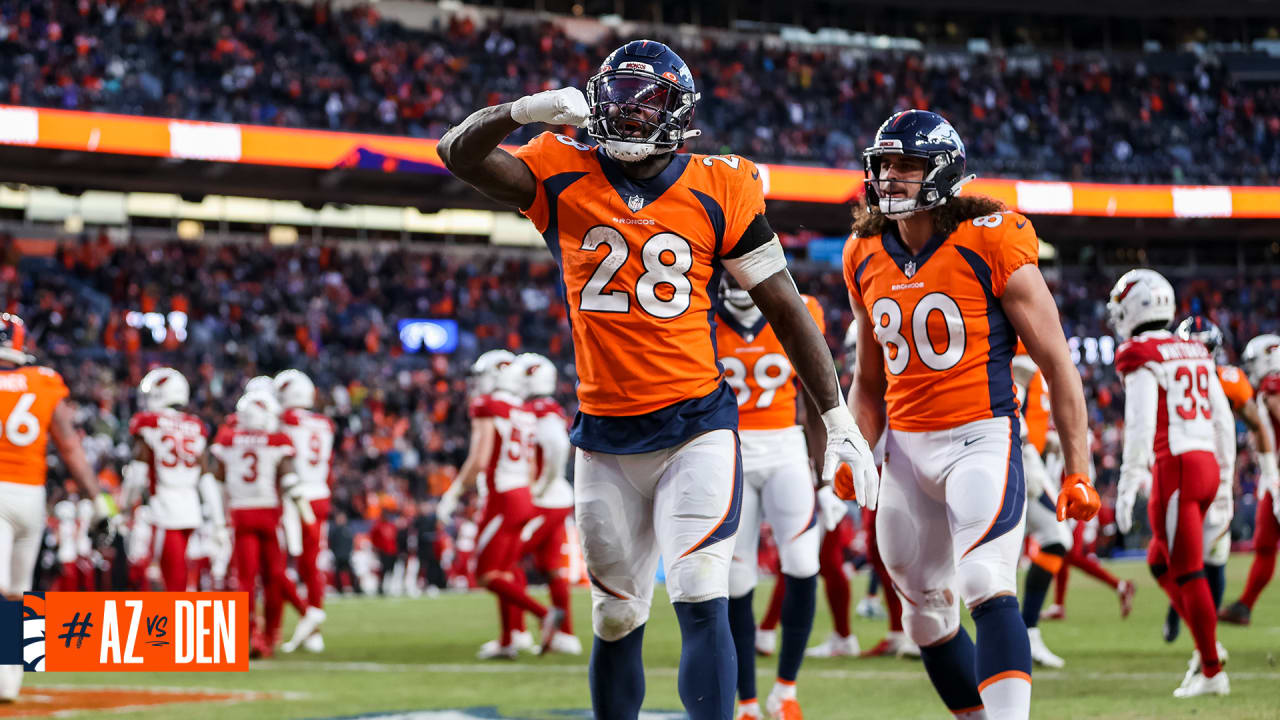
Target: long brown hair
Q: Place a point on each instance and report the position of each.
(869, 221)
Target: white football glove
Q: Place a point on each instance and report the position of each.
(847, 447)
(1126, 500)
(566, 106)
(448, 504)
(831, 507)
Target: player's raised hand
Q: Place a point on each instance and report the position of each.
(1079, 501)
(847, 464)
(566, 106)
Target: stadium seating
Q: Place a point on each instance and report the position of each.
(1158, 118)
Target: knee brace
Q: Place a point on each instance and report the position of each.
(613, 619)
(933, 619)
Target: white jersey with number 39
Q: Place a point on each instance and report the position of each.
(1174, 402)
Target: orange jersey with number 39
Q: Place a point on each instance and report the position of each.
(947, 343)
(757, 368)
(28, 397)
(638, 260)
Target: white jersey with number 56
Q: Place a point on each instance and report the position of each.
(511, 464)
(251, 461)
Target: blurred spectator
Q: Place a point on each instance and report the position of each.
(289, 63)
(342, 544)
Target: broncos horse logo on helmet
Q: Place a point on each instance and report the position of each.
(921, 134)
(1204, 331)
(641, 102)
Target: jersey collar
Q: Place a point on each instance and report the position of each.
(908, 262)
(638, 194)
(745, 332)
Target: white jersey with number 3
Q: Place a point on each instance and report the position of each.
(251, 461)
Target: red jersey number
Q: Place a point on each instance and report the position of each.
(1195, 391)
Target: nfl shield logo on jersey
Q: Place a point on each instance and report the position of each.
(635, 203)
(909, 269)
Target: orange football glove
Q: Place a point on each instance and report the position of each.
(1078, 500)
(843, 483)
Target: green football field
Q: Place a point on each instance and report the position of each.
(387, 655)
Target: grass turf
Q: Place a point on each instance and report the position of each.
(412, 654)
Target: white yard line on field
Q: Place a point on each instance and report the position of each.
(835, 674)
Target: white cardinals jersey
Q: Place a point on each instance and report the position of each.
(177, 442)
(1179, 381)
(312, 437)
(552, 450)
(511, 464)
(251, 461)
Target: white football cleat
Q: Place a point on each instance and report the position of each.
(835, 646)
(314, 644)
(766, 642)
(493, 651)
(307, 624)
(1201, 685)
(871, 608)
(522, 640)
(1194, 666)
(1040, 652)
(901, 645)
(565, 644)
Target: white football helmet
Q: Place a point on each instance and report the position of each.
(260, 383)
(295, 390)
(484, 371)
(539, 375)
(163, 388)
(1140, 296)
(258, 410)
(511, 379)
(1261, 357)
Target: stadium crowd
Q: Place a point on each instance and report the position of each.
(295, 64)
(401, 417)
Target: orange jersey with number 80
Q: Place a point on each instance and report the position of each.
(947, 343)
(28, 397)
(638, 261)
(757, 368)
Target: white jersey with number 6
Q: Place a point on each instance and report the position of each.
(251, 461)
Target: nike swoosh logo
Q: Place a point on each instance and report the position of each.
(1022, 224)
(971, 441)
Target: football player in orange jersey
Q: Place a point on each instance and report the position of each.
(34, 408)
(777, 486)
(1261, 360)
(941, 287)
(641, 233)
(1217, 522)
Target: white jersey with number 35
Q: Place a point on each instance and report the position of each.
(312, 437)
(177, 444)
(251, 461)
